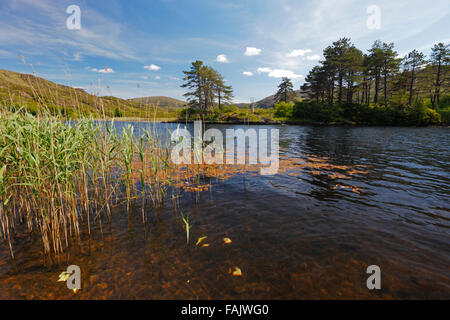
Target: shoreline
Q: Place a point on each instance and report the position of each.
(301, 122)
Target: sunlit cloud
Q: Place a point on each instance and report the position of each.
(247, 73)
(279, 73)
(222, 58)
(152, 67)
(252, 51)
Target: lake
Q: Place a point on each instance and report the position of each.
(305, 233)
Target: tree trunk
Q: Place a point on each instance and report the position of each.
(340, 89)
(377, 86)
(438, 86)
(411, 86)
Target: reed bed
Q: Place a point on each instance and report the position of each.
(55, 175)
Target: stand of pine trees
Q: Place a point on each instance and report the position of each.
(378, 87)
(207, 89)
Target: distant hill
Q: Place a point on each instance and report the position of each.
(269, 101)
(25, 90)
(161, 101)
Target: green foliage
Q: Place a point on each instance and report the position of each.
(285, 91)
(394, 114)
(118, 113)
(205, 85)
(283, 110)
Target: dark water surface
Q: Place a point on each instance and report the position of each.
(293, 236)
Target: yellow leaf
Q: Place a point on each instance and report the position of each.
(200, 240)
(64, 276)
(227, 240)
(205, 245)
(237, 272)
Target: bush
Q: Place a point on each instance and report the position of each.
(228, 108)
(118, 113)
(445, 114)
(283, 110)
(421, 115)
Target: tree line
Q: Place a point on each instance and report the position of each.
(380, 76)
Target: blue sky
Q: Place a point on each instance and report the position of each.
(139, 48)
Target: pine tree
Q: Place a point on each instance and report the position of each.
(205, 85)
(412, 62)
(440, 57)
(285, 91)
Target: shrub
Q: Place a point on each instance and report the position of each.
(118, 113)
(283, 110)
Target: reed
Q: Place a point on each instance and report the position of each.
(58, 177)
(56, 174)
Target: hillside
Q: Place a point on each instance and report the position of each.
(268, 102)
(25, 90)
(160, 101)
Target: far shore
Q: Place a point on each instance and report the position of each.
(268, 122)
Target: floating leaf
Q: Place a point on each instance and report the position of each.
(205, 245)
(237, 272)
(64, 276)
(200, 240)
(227, 240)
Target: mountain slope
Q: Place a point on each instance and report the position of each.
(269, 101)
(161, 101)
(25, 90)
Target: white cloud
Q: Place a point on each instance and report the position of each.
(152, 67)
(247, 73)
(106, 70)
(264, 70)
(157, 77)
(175, 78)
(279, 73)
(252, 51)
(313, 57)
(222, 58)
(299, 52)
(77, 56)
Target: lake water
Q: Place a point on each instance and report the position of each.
(300, 234)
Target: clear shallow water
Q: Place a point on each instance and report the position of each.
(294, 236)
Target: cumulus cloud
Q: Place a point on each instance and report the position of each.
(298, 52)
(247, 73)
(152, 67)
(252, 51)
(279, 73)
(157, 77)
(222, 58)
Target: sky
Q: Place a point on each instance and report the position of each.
(140, 48)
